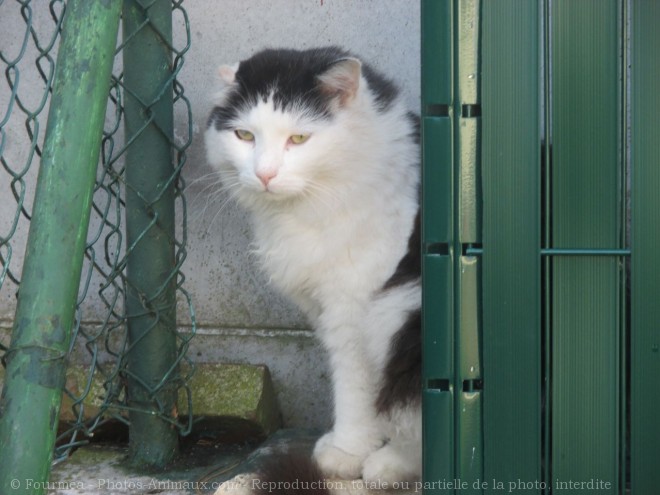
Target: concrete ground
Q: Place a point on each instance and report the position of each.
(207, 465)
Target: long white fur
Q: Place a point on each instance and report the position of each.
(330, 228)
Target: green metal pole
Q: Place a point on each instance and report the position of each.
(151, 296)
(36, 359)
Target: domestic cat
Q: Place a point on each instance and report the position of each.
(320, 149)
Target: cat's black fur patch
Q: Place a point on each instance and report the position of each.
(410, 266)
(384, 89)
(291, 75)
(417, 127)
(402, 379)
(289, 473)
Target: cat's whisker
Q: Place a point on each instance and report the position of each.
(214, 179)
(309, 193)
(225, 193)
(330, 198)
(211, 186)
(209, 200)
(228, 200)
(204, 177)
(320, 206)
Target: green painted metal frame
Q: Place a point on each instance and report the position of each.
(525, 245)
(36, 360)
(150, 232)
(451, 218)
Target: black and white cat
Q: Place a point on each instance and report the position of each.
(320, 149)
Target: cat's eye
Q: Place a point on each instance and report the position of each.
(299, 138)
(244, 135)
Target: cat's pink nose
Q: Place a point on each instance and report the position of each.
(265, 176)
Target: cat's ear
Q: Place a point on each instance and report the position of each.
(227, 73)
(342, 79)
(227, 77)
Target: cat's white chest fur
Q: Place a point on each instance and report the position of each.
(326, 258)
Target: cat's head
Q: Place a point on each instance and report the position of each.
(290, 124)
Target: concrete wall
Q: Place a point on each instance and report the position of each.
(240, 319)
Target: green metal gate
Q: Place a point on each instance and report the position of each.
(541, 134)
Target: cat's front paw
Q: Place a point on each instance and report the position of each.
(335, 462)
(389, 465)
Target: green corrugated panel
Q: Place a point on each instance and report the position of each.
(645, 362)
(511, 237)
(437, 229)
(586, 193)
(585, 371)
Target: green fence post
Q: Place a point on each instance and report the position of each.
(151, 278)
(36, 359)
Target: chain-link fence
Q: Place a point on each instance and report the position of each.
(137, 196)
